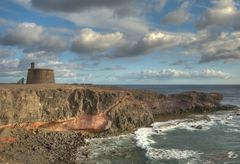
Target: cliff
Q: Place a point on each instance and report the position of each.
(186, 102)
(94, 108)
(56, 103)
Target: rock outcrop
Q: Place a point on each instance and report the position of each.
(187, 102)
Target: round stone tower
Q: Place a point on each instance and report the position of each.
(40, 76)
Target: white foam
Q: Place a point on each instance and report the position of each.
(144, 141)
(231, 130)
(97, 148)
(232, 155)
(197, 161)
(233, 125)
(166, 154)
(229, 119)
(142, 137)
(188, 124)
(217, 118)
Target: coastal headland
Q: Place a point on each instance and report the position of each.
(41, 122)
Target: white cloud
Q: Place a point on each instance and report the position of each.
(154, 41)
(179, 16)
(5, 53)
(225, 46)
(211, 73)
(7, 22)
(114, 15)
(25, 3)
(89, 41)
(224, 13)
(138, 40)
(9, 68)
(159, 4)
(61, 69)
(132, 26)
(32, 37)
(155, 5)
(177, 74)
(209, 47)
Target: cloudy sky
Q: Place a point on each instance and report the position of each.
(122, 41)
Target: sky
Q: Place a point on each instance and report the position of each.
(122, 41)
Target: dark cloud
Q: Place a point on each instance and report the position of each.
(77, 5)
(114, 15)
(153, 42)
(221, 55)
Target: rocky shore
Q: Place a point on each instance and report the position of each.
(47, 123)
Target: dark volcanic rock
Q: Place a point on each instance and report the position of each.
(186, 102)
(228, 107)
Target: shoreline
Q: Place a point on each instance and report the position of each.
(61, 102)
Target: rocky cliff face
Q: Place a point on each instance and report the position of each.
(86, 107)
(187, 102)
(50, 103)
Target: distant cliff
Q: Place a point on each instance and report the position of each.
(186, 102)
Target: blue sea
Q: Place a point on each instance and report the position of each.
(178, 140)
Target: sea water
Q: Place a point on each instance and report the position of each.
(199, 138)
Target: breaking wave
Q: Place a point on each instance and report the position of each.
(145, 137)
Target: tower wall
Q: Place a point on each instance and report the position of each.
(40, 76)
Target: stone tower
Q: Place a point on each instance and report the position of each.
(40, 76)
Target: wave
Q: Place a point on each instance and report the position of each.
(231, 130)
(188, 124)
(232, 155)
(143, 140)
(145, 136)
(142, 137)
(167, 154)
(101, 150)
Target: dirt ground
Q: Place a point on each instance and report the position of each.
(39, 146)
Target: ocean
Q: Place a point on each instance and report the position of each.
(177, 140)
